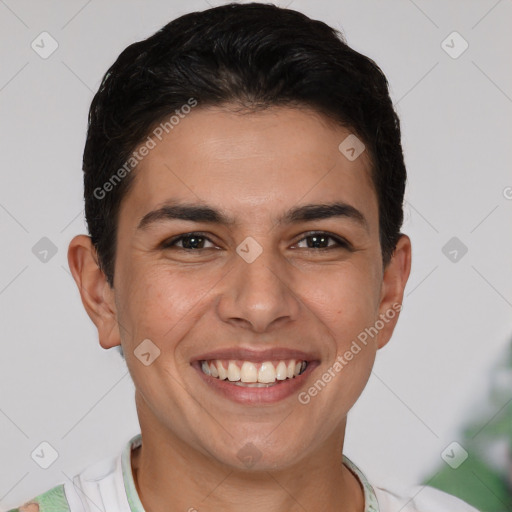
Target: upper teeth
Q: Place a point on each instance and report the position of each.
(246, 371)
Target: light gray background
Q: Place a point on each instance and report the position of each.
(58, 385)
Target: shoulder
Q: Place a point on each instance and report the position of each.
(420, 499)
(53, 500)
(101, 482)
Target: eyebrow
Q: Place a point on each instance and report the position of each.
(204, 213)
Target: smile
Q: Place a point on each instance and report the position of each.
(255, 377)
(247, 373)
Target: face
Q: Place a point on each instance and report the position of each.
(260, 274)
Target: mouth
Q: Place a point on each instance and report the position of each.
(255, 378)
(249, 374)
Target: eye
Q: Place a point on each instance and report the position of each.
(190, 241)
(316, 240)
(319, 240)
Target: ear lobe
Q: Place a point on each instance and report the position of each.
(394, 280)
(95, 292)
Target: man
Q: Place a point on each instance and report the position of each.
(244, 180)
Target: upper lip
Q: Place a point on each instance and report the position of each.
(256, 356)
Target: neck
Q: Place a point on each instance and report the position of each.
(169, 476)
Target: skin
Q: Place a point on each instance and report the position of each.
(254, 167)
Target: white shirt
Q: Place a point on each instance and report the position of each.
(108, 485)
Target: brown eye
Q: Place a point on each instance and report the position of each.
(319, 240)
(190, 241)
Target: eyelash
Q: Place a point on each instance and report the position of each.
(341, 244)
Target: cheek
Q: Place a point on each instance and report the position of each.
(159, 304)
(344, 298)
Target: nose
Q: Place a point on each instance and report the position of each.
(259, 295)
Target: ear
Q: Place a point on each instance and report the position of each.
(395, 277)
(97, 296)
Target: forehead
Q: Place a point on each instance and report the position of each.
(253, 165)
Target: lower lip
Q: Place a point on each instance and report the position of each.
(246, 395)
